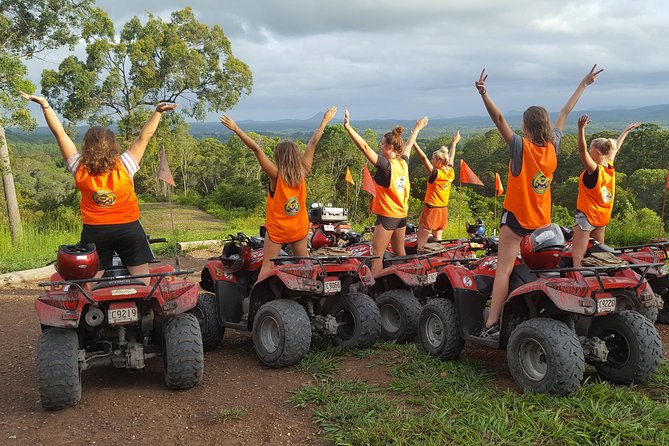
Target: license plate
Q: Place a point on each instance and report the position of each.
(432, 277)
(331, 286)
(127, 313)
(328, 228)
(606, 305)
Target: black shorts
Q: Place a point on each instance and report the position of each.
(390, 223)
(510, 220)
(127, 239)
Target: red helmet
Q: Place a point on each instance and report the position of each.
(543, 248)
(321, 239)
(77, 261)
(235, 256)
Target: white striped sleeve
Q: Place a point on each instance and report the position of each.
(130, 164)
(72, 164)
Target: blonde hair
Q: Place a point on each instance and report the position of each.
(290, 162)
(441, 155)
(604, 145)
(538, 124)
(394, 139)
(99, 150)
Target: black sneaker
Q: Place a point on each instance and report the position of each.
(491, 333)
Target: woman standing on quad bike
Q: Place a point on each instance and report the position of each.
(528, 198)
(104, 176)
(391, 202)
(287, 220)
(596, 187)
(434, 216)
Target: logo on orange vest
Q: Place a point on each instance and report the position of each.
(104, 198)
(292, 206)
(607, 195)
(540, 183)
(400, 183)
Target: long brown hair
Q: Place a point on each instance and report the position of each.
(538, 125)
(99, 150)
(394, 139)
(290, 162)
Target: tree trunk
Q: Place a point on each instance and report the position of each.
(10, 190)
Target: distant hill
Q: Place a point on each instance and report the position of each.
(603, 119)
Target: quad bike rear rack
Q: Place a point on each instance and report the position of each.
(77, 282)
(598, 271)
(323, 259)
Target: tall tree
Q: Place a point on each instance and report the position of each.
(27, 29)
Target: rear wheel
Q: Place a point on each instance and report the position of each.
(438, 330)
(358, 321)
(400, 313)
(184, 355)
(629, 300)
(635, 347)
(545, 356)
(58, 376)
(206, 312)
(281, 333)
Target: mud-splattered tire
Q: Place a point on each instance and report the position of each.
(281, 333)
(438, 330)
(206, 313)
(635, 350)
(627, 300)
(358, 320)
(58, 376)
(184, 355)
(400, 313)
(545, 356)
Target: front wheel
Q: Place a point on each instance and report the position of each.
(635, 347)
(545, 356)
(281, 333)
(400, 312)
(206, 312)
(438, 330)
(58, 376)
(184, 355)
(358, 321)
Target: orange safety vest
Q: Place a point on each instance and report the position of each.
(597, 203)
(528, 195)
(108, 198)
(438, 192)
(393, 201)
(286, 212)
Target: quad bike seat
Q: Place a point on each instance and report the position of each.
(116, 271)
(601, 247)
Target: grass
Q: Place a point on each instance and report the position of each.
(228, 414)
(37, 247)
(429, 402)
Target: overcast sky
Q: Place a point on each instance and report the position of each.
(409, 58)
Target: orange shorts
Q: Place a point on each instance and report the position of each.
(434, 219)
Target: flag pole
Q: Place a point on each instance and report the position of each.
(664, 204)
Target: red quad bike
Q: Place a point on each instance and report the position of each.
(115, 321)
(299, 295)
(544, 353)
(654, 284)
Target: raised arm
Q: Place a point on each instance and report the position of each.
(420, 124)
(65, 144)
(370, 154)
(451, 152)
(423, 158)
(575, 96)
(493, 110)
(621, 138)
(266, 164)
(587, 161)
(313, 142)
(138, 146)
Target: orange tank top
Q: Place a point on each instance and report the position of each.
(393, 201)
(528, 195)
(597, 203)
(108, 198)
(438, 192)
(287, 219)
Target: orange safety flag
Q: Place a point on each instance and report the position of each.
(367, 181)
(349, 177)
(499, 189)
(467, 175)
(164, 172)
